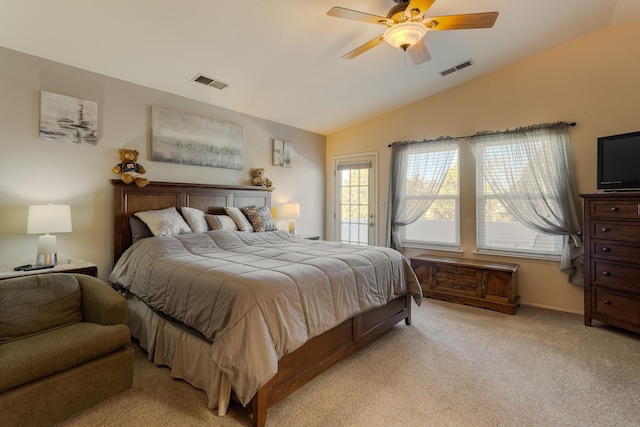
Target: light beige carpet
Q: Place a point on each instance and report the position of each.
(454, 366)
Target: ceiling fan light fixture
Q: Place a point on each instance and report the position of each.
(405, 34)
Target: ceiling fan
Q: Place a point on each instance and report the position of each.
(407, 26)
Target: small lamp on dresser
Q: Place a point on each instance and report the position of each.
(292, 212)
(45, 219)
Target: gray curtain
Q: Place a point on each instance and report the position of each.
(418, 170)
(540, 172)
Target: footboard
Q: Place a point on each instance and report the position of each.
(324, 351)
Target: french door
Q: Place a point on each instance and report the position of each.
(355, 199)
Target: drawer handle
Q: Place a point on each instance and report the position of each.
(605, 229)
(606, 273)
(605, 249)
(614, 209)
(456, 286)
(607, 302)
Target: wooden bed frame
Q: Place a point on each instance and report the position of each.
(314, 357)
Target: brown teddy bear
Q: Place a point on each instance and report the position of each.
(129, 168)
(258, 178)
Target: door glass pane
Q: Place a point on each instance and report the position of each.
(353, 187)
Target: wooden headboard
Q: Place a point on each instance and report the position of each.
(129, 199)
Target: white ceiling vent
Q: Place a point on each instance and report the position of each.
(458, 67)
(209, 81)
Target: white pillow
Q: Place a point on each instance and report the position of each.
(195, 219)
(241, 220)
(221, 222)
(164, 222)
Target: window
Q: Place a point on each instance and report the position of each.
(517, 195)
(432, 180)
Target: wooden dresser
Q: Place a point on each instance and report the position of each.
(612, 259)
(477, 283)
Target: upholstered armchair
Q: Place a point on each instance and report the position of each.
(64, 346)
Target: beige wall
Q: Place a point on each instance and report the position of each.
(593, 80)
(36, 171)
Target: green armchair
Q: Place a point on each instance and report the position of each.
(64, 346)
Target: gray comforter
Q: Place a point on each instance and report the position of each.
(259, 296)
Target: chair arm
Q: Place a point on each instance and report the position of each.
(100, 302)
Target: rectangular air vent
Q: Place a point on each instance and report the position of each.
(458, 67)
(209, 81)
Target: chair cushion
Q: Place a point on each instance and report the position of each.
(44, 354)
(33, 304)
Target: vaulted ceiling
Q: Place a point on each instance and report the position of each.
(282, 59)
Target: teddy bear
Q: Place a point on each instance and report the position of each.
(130, 169)
(258, 177)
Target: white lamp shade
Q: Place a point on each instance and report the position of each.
(49, 218)
(405, 34)
(291, 210)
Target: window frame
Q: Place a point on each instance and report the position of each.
(481, 242)
(434, 244)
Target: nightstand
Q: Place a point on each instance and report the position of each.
(79, 266)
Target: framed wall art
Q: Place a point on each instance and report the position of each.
(67, 119)
(282, 153)
(178, 137)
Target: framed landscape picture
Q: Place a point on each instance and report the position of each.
(178, 137)
(67, 119)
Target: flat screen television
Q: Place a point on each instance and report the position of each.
(619, 162)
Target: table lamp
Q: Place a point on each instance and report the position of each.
(48, 219)
(292, 212)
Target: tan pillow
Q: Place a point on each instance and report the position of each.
(164, 222)
(195, 219)
(241, 220)
(33, 304)
(221, 222)
(260, 218)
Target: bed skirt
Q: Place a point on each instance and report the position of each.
(172, 345)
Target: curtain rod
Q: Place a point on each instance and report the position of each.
(444, 138)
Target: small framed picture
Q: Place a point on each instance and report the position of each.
(282, 153)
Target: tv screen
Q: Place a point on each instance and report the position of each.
(619, 162)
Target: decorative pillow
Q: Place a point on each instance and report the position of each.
(195, 219)
(164, 222)
(241, 220)
(221, 222)
(139, 229)
(260, 218)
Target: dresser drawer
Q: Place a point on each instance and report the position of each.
(608, 230)
(617, 304)
(615, 208)
(620, 276)
(618, 251)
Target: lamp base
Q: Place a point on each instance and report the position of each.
(292, 227)
(47, 252)
(47, 260)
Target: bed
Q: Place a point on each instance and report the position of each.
(264, 346)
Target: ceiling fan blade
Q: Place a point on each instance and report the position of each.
(419, 53)
(365, 47)
(341, 12)
(461, 22)
(417, 8)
